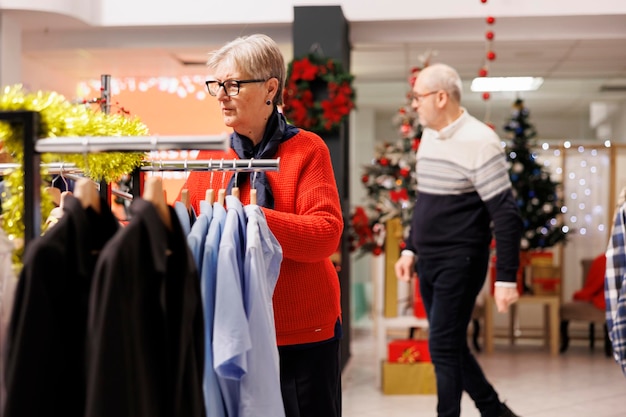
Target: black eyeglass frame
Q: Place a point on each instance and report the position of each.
(223, 85)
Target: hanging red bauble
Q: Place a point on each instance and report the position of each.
(483, 72)
(383, 161)
(402, 245)
(365, 179)
(491, 55)
(491, 20)
(405, 172)
(377, 250)
(483, 1)
(486, 95)
(489, 35)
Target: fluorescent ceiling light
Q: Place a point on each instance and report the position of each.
(506, 83)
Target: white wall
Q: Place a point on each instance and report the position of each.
(185, 12)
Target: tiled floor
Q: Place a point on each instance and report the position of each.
(578, 383)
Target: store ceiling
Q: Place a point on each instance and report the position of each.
(582, 59)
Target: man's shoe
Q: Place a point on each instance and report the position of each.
(506, 411)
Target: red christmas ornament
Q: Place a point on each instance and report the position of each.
(483, 1)
(405, 172)
(402, 245)
(377, 250)
(486, 95)
(491, 55)
(402, 110)
(489, 35)
(365, 179)
(491, 20)
(482, 72)
(383, 161)
(415, 144)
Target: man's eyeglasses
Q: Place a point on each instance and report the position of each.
(420, 97)
(231, 87)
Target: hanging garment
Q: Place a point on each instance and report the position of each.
(8, 284)
(145, 331)
(187, 217)
(615, 287)
(213, 398)
(260, 386)
(45, 353)
(231, 335)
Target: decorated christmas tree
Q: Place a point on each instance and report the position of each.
(535, 192)
(390, 182)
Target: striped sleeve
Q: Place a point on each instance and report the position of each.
(491, 175)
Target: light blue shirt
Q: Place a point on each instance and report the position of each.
(187, 217)
(197, 237)
(213, 398)
(260, 386)
(231, 335)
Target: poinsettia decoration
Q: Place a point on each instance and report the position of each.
(312, 75)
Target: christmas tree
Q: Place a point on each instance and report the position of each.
(390, 182)
(535, 193)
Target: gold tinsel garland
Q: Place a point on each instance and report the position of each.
(59, 117)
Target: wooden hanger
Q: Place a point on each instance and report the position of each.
(153, 192)
(235, 190)
(209, 196)
(252, 189)
(184, 198)
(87, 192)
(221, 193)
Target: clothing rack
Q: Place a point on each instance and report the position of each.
(33, 146)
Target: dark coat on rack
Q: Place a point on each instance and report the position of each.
(46, 342)
(146, 333)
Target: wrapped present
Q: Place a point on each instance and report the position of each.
(408, 351)
(408, 378)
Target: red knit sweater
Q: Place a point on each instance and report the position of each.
(308, 223)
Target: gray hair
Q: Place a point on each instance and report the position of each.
(258, 56)
(442, 77)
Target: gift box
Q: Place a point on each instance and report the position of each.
(546, 280)
(408, 378)
(408, 351)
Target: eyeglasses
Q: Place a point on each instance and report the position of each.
(231, 87)
(420, 97)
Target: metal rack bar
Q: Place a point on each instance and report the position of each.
(240, 165)
(91, 144)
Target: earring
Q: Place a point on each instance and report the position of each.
(268, 102)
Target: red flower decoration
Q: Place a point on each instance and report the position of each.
(310, 75)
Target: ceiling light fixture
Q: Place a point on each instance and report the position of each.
(506, 83)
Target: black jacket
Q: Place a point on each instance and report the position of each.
(145, 355)
(45, 362)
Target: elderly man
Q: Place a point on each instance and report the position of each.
(464, 196)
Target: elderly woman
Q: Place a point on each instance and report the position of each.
(301, 205)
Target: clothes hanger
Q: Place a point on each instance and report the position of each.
(252, 189)
(87, 192)
(209, 195)
(184, 194)
(235, 190)
(221, 193)
(154, 193)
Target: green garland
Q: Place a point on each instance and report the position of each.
(59, 117)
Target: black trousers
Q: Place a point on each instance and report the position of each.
(449, 286)
(310, 380)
